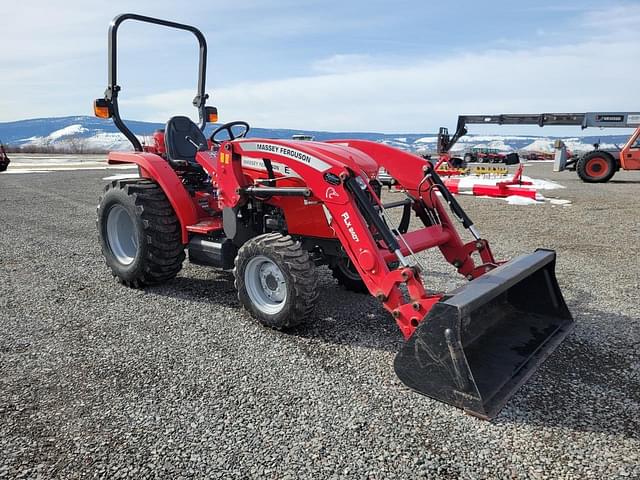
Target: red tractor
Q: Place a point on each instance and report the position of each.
(273, 211)
(484, 155)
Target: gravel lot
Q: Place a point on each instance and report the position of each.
(97, 380)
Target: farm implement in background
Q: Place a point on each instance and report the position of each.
(471, 180)
(500, 189)
(4, 158)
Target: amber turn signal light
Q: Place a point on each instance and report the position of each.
(101, 108)
(212, 114)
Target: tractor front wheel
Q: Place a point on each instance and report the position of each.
(139, 233)
(276, 280)
(348, 276)
(596, 167)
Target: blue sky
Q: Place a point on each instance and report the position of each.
(402, 66)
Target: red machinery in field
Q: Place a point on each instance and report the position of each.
(515, 186)
(274, 210)
(484, 155)
(4, 158)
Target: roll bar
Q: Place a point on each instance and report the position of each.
(111, 93)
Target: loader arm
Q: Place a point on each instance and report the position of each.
(417, 176)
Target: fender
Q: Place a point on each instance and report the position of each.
(157, 169)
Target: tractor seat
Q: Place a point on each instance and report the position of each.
(180, 151)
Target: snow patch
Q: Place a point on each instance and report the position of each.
(540, 184)
(426, 140)
(540, 145)
(574, 144)
(76, 129)
(517, 200)
(559, 201)
(469, 180)
(495, 145)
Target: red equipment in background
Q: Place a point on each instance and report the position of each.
(274, 210)
(4, 158)
(506, 188)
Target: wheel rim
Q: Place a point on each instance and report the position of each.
(596, 167)
(266, 285)
(121, 235)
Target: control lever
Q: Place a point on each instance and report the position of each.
(198, 146)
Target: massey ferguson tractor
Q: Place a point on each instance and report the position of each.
(273, 211)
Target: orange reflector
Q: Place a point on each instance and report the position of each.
(213, 117)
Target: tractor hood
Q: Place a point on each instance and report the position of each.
(333, 154)
(353, 158)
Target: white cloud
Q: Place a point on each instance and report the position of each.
(344, 62)
(55, 59)
(586, 72)
(420, 96)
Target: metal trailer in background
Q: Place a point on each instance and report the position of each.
(595, 166)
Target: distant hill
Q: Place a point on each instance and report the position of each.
(98, 134)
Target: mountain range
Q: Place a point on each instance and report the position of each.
(99, 134)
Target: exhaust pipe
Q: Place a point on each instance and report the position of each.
(481, 342)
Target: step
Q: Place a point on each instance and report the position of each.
(206, 226)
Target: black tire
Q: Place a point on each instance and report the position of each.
(3, 167)
(298, 273)
(158, 252)
(457, 162)
(348, 276)
(596, 167)
(468, 158)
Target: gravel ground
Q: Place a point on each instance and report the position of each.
(97, 380)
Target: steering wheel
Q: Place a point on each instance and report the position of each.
(227, 127)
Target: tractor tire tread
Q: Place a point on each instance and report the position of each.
(300, 268)
(581, 167)
(163, 253)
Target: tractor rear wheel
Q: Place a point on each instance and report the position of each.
(139, 233)
(347, 276)
(276, 280)
(596, 167)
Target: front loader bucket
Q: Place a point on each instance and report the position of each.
(481, 342)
